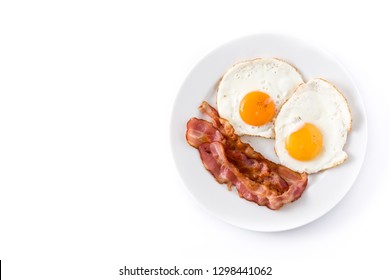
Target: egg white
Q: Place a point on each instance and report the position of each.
(320, 103)
(272, 76)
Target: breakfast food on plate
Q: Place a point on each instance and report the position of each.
(311, 128)
(251, 93)
(267, 97)
(234, 162)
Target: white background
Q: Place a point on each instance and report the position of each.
(87, 179)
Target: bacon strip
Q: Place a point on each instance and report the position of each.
(201, 131)
(214, 159)
(234, 162)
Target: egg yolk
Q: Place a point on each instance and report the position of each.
(305, 143)
(257, 108)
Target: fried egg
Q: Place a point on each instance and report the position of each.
(311, 128)
(251, 93)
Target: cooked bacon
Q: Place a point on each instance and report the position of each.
(234, 162)
(227, 130)
(214, 159)
(201, 131)
(257, 170)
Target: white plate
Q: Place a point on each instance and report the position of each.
(324, 190)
